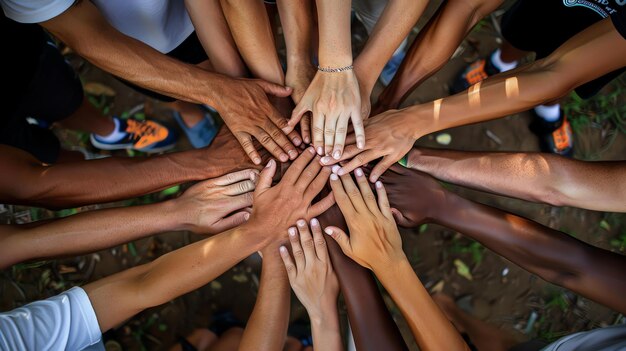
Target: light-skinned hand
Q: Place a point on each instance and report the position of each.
(374, 240)
(299, 77)
(310, 271)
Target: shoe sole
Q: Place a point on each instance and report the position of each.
(110, 147)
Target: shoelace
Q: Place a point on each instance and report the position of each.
(139, 129)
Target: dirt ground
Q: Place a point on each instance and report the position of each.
(500, 292)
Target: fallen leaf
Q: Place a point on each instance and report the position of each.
(98, 89)
(462, 269)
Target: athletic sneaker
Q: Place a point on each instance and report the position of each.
(390, 69)
(555, 137)
(472, 74)
(146, 136)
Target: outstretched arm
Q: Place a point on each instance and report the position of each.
(267, 326)
(192, 266)
(433, 47)
(375, 243)
(242, 103)
(556, 257)
(547, 178)
(201, 209)
(392, 134)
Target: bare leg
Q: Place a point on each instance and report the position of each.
(66, 156)
(88, 119)
(484, 336)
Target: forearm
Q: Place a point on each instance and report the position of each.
(392, 27)
(530, 176)
(530, 85)
(325, 328)
(86, 232)
(252, 31)
(297, 22)
(267, 326)
(553, 255)
(429, 325)
(98, 42)
(110, 179)
(169, 276)
(335, 49)
(434, 46)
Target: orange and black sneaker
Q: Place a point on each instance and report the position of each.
(472, 74)
(555, 137)
(147, 136)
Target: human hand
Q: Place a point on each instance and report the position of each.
(299, 77)
(374, 240)
(225, 155)
(311, 276)
(248, 113)
(389, 136)
(278, 207)
(205, 205)
(284, 106)
(415, 197)
(334, 99)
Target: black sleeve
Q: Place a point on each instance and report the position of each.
(619, 21)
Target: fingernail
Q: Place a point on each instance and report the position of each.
(328, 231)
(320, 151)
(341, 172)
(293, 153)
(335, 168)
(311, 149)
(301, 223)
(292, 231)
(358, 172)
(307, 140)
(360, 144)
(270, 164)
(283, 249)
(325, 159)
(379, 184)
(246, 216)
(333, 177)
(284, 158)
(257, 161)
(314, 222)
(337, 154)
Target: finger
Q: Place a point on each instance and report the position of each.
(234, 177)
(400, 219)
(288, 262)
(381, 167)
(366, 191)
(383, 201)
(320, 243)
(236, 203)
(358, 161)
(296, 249)
(296, 168)
(345, 205)
(306, 241)
(341, 238)
(359, 130)
(279, 120)
(318, 183)
(308, 175)
(348, 152)
(281, 139)
(231, 221)
(266, 176)
(298, 111)
(295, 138)
(330, 124)
(340, 137)
(274, 89)
(245, 140)
(270, 145)
(305, 128)
(353, 193)
(239, 188)
(322, 206)
(317, 128)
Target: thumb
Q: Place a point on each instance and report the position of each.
(298, 112)
(400, 219)
(275, 89)
(341, 238)
(266, 176)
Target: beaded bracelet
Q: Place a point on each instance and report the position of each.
(334, 70)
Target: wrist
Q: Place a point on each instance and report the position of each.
(390, 264)
(421, 120)
(173, 215)
(324, 314)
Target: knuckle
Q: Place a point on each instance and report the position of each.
(308, 243)
(298, 253)
(329, 132)
(317, 130)
(342, 130)
(265, 139)
(320, 243)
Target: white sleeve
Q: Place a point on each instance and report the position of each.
(34, 11)
(63, 322)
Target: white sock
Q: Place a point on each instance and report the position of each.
(502, 66)
(550, 113)
(115, 135)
